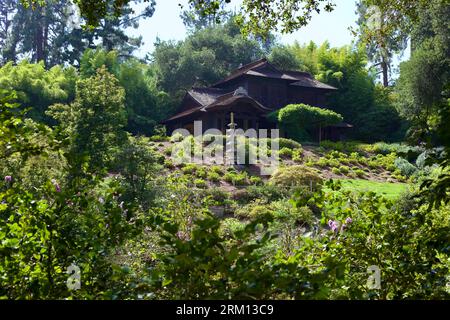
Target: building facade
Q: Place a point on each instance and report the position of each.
(251, 93)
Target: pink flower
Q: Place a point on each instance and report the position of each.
(8, 178)
(348, 220)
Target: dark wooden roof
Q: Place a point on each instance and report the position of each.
(212, 98)
(262, 68)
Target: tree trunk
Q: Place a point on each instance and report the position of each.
(39, 35)
(384, 67)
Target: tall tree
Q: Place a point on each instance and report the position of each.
(381, 41)
(424, 79)
(8, 9)
(51, 31)
(203, 58)
(94, 122)
(194, 20)
(38, 31)
(111, 28)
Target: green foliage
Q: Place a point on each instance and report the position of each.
(237, 178)
(200, 183)
(336, 171)
(423, 84)
(297, 155)
(406, 168)
(368, 107)
(145, 104)
(257, 181)
(266, 192)
(294, 176)
(214, 176)
(204, 58)
(19, 135)
(298, 119)
(284, 59)
(285, 153)
(93, 123)
(37, 87)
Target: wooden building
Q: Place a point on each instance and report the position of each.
(251, 93)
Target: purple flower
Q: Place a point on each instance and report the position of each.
(57, 187)
(8, 178)
(333, 225)
(181, 235)
(348, 220)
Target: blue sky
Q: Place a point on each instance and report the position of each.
(167, 25)
(334, 26)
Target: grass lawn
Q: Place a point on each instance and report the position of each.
(389, 190)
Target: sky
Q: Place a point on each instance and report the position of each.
(167, 25)
(334, 26)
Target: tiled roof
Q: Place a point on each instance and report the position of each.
(211, 98)
(206, 96)
(231, 98)
(312, 83)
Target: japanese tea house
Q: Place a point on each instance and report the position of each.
(252, 92)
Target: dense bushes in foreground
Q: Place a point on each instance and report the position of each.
(268, 258)
(135, 233)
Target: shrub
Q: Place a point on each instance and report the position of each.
(297, 119)
(200, 183)
(344, 169)
(336, 171)
(241, 196)
(360, 173)
(256, 180)
(266, 192)
(296, 176)
(405, 168)
(255, 209)
(322, 162)
(169, 164)
(189, 169)
(213, 176)
(285, 153)
(282, 143)
(168, 151)
(237, 178)
(218, 195)
(158, 138)
(229, 226)
(177, 137)
(297, 155)
(240, 179)
(216, 169)
(285, 211)
(288, 143)
(160, 159)
(334, 163)
(201, 173)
